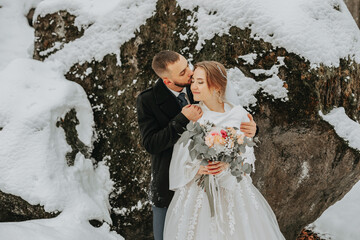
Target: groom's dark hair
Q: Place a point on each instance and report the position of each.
(162, 59)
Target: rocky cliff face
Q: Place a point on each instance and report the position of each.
(305, 167)
(302, 168)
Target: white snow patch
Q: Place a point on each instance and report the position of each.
(249, 58)
(314, 29)
(344, 126)
(274, 86)
(33, 98)
(113, 24)
(120, 92)
(246, 87)
(57, 46)
(304, 171)
(62, 227)
(16, 36)
(88, 71)
(341, 221)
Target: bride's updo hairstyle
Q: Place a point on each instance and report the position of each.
(215, 76)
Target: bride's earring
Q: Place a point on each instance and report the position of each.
(217, 93)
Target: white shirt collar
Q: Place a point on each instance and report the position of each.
(177, 93)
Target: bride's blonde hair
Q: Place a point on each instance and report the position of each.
(216, 77)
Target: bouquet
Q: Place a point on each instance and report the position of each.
(211, 143)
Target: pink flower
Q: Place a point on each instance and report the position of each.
(223, 133)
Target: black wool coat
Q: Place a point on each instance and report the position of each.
(161, 123)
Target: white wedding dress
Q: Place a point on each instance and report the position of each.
(241, 212)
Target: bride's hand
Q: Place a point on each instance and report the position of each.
(216, 168)
(248, 128)
(203, 170)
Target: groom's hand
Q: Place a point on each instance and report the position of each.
(192, 112)
(248, 128)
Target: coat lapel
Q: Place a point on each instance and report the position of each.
(166, 100)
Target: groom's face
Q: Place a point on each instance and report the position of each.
(179, 73)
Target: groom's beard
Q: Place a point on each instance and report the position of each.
(182, 85)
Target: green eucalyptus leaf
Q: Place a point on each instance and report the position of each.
(191, 134)
(205, 148)
(197, 146)
(193, 154)
(249, 142)
(212, 151)
(184, 137)
(236, 172)
(247, 168)
(242, 148)
(198, 127)
(233, 164)
(191, 146)
(239, 178)
(190, 126)
(207, 155)
(228, 159)
(199, 138)
(204, 162)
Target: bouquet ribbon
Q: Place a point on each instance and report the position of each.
(213, 194)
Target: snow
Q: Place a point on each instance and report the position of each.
(344, 126)
(246, 87)
(17, 40)
(34, 96)
(304, 171)
(108, 30)
(62, 227)
(249, 58)
(341, 220)
(313, 29)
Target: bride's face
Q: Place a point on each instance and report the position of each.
(199, 86)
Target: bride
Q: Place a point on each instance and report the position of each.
(241, 212)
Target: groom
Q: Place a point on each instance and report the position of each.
(163, 113)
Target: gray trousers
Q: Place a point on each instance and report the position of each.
(159, 215)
